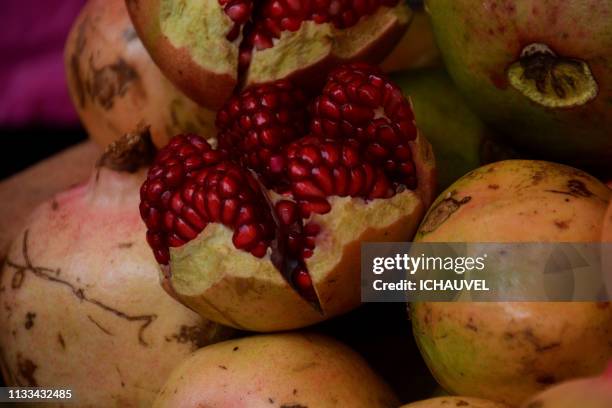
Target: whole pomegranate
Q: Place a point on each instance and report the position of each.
(461, 141)
(264, 233)
(541, 72)
(80, 296)
(209, 47)
(507, 351)
(279, 370)
(593, 392)
(114, 84)
(453, 402)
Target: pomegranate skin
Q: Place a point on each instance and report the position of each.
(464, 402)
(114, 84)
(554, 103)
(81, 302)
(520, 347)
(277, 370)
(593, 392)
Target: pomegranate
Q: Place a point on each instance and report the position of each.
(584, 393)
(507, 351)
(210, 47)
(114, 84)
(275, 217)
(281, 370)
(540, 73)
(452, 402)
(460, 140)
(23, 192)
(80, 296)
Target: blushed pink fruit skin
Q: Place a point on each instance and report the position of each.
(593, 392)
(82, 306)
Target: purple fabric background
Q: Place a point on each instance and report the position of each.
(32, 35)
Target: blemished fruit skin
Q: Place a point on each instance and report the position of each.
(584, 393)
(81, 303)
(557, 106)
(453, 402)
(282, 370)
(460, 140)
(115, 86)
(507, 351)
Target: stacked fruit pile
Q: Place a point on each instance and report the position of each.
(252, 146)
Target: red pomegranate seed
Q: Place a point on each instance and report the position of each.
(256, 124)
(360, 103)
(216, 191)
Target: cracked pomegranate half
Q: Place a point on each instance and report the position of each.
(264, 232)
(210, 47)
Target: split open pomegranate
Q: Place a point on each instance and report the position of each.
(264, 232)
(207, 48)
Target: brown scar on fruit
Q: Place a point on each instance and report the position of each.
(60, 340)
(293, 406)
(110, 81)
(125, 245)
(27, 368)
(576, 188)
(51, 275)
(462, 403)
(189, 334)
(537, 343)
(120, 376)
(441, 212)
(99, 326)
(29, 322)
(562, 224)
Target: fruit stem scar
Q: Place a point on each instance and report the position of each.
(51, 275)
(552, 80)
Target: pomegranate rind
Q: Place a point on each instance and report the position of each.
(514, 201)
(237, 289)
(188, 43)
(99, 320)
(308, 54)
(444, 402)
(115, 86)
(288, 370)
(584, 393)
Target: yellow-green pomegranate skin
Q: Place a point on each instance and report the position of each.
(508, 351)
